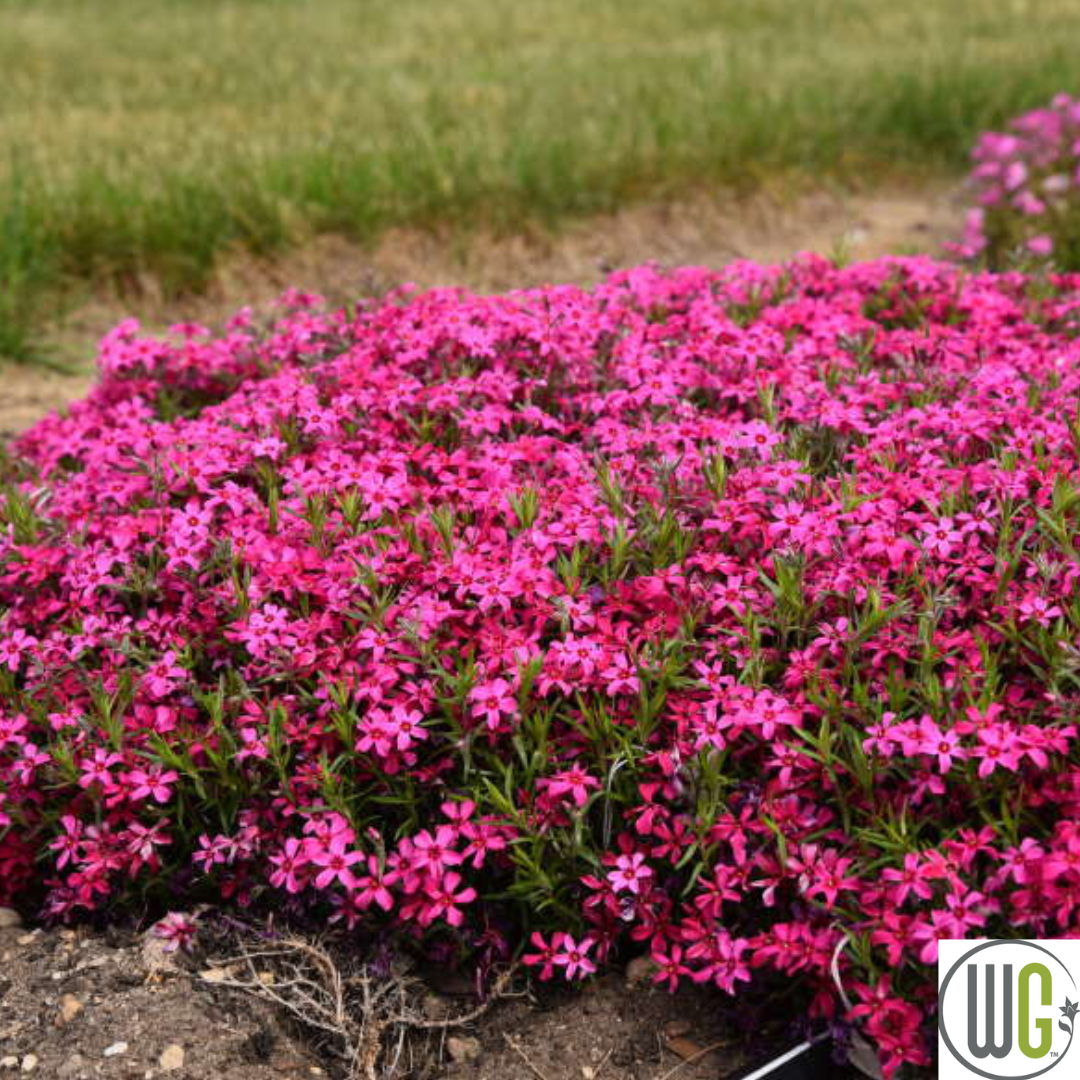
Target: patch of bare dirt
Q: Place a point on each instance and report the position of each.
(610, 1031)
(28, 393)
(78, 1006)
(81, 1006)
(702, 230)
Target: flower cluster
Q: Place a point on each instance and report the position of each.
(727, 618)
(1026, 183)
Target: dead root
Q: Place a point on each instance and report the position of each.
(373, 1024)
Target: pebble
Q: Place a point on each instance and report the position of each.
(9, 1062)
(463, 1048)
(116, 1049)
(29, 1063)
(10, 919)
(70, 1007)
(172, 1058)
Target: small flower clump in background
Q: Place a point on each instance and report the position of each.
(1026, 184)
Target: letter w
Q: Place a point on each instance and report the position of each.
(990, 1046)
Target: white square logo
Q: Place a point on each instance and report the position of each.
(1008, 1009)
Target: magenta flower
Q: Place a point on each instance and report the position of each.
(574, 783)
(178, 930)
(573, 957)
(444, 900)
(335, 860)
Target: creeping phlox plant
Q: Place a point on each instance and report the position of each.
(728, 617)
(1027, 187)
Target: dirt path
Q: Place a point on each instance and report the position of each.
(695, 231)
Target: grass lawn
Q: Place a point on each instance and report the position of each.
(145, 136)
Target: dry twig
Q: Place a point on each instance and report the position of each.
(364, 1019)
(520, 1051)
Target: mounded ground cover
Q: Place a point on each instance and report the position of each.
(727, 618)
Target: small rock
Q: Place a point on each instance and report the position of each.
(10, 919)
(9, 1062)
(29, 1063)
(638, 970)
(116, 1049)
(214, 975)
(172, 1058)
(70, 1007)
(463, 1049)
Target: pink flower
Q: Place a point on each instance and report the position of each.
(670, 968)
(14, 647)
(544, 956)
(374, 886)
(574, 782)
(444, 899)
(941, 537)
(178, 930)
(630, 873)
(493, 701)
(335, 860)
(154, 783)
(290, 867)
(573, 957)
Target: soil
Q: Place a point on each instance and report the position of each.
(75, 1006)
(79, 1005)
(610, 1030)
(703, 230)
